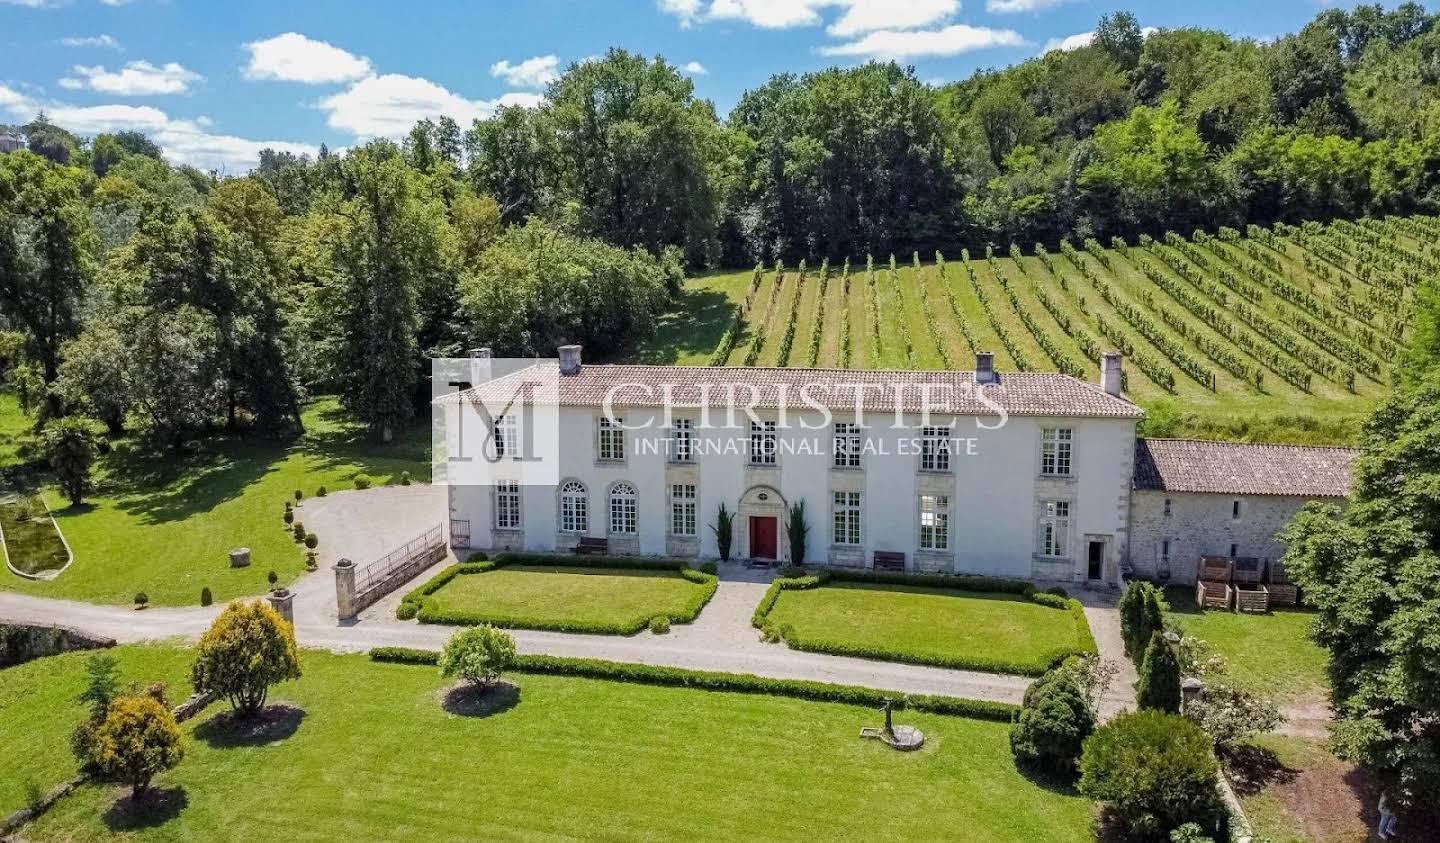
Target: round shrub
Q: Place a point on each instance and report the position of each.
(206, 598)
(298, 531)
(1053, 725)
(137, 739)
(1155, 771)
(299, 495)
(479, 655)
(311, 561)
(321, 492)
(659, 624)
(404, 478)
(141, 599)
(362, 482)
(272, 578)
(248, 649)
(289, 515)
(311, 540)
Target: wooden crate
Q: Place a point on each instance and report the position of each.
(1212, 595)
(1215, 568)
(1282, 591)
(1284, 594)
(1254, 599)
(1246, 569)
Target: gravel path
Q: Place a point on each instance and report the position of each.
(721, 639)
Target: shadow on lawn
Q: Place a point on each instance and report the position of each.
(165, 486)
(155, 808)
(470, 700)
(272, 724)
(1253, 768)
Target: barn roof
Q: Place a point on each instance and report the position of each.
(1242, 468)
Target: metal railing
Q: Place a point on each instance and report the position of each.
(381, 576)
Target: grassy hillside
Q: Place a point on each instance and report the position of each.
(1289, 333)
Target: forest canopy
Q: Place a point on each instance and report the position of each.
(140, 292)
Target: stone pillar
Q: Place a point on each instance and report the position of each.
(282, 600)
(345, 589)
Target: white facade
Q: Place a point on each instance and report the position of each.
(993, 511)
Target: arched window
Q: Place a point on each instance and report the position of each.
(622, 508)
(574, 508)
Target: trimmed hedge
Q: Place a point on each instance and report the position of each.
(743, 683)
(420, 604)
(949, 582)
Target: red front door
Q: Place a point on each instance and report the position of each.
(762, 537)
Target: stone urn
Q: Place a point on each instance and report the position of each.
(240, 557)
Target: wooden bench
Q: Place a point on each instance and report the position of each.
(588, 546)
(889, 560)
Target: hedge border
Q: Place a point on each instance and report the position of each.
(420, 604)
(949, 582)
(705, 680)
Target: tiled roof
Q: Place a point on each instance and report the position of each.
(1238, 468)
(1018, 393)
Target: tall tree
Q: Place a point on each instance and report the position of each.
(377, 257)
(45, 253)
(640, 153)
(1373, 574)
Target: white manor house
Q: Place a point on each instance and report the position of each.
(1015, 474)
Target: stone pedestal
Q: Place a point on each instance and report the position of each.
(240, 557)
(345, 589)
(282, 600)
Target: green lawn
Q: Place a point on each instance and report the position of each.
(15, 428)
(162, 524)
(31, 543)
(1003, 632)
(546, 597)
(1269, 654)
(1304, 794)
(369, 753)
(39, 707)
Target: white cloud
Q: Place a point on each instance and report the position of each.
(136, 79)
(32, 4)
(389, 105)
(91, 41)
(949, 41)
(871, 15)
(534, 72)
(292, 57)
(1069, 42)
(769, 14)
(1005, 7)
(116, 2)
(1083, 39)
(686, 10)
(694, 68)
(184, 141)
(854, 16)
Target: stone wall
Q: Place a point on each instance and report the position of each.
(20, 643)
(1202, 525)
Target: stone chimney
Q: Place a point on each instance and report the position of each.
(480, 365)
(985, 368)
(1111, 373)
(569, 360)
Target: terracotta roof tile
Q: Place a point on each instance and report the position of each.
(1019, 393)
(1238, 468)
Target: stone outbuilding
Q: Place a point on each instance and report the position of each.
(1196, 498)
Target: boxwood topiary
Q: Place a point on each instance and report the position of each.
(1154, 771)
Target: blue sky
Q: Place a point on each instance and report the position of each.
(215, 81)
